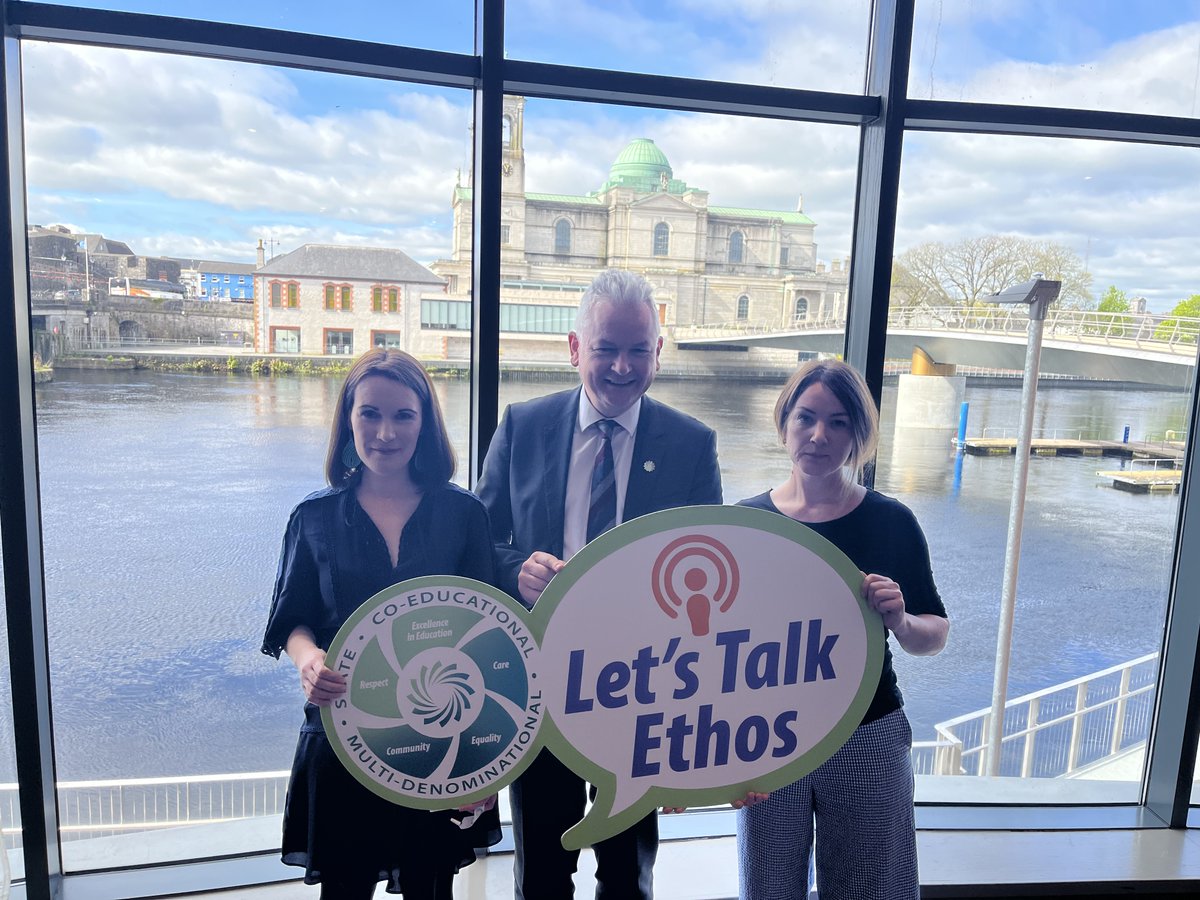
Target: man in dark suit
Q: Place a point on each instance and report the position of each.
(560, 470)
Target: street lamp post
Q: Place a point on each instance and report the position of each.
(1038, 293)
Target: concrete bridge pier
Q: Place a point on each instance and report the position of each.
(931, 396)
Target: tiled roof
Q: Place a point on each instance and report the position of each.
(214, 265)
(361, 263)
(565, 198)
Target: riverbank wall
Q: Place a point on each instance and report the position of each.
(215, 359)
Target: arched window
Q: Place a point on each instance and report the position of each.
(562, 237)
(662, 239)
(736, 245)
(743, 311)
(801, 308)
(507, 131)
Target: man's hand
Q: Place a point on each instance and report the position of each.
(536, 573)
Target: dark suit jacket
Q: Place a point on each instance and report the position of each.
(524, 483)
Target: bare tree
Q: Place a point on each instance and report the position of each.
(965, 272)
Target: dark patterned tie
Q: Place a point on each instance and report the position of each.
(602, 512)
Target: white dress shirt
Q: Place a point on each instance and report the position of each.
(584, 445)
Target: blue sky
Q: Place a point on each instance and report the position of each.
(194, 157)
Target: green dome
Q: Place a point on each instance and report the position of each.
(642, 167)
(641, 159)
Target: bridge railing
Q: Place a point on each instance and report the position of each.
(1052, 732)
(1176, 334)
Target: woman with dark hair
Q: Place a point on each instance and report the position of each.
(390, 513)
(860, 801)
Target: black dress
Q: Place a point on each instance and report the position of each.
(333, 560)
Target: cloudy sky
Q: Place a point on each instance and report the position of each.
(190, 157)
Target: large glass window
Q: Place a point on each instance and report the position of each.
(619, 156)
(1079, 54)
(1108, 432)
(161, 540)
(173, 734)
(443, 26)
(819, 46)
(10, 810)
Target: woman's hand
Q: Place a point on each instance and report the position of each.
(752, 798)
(321, 684)
(920, 635)
(885, 597)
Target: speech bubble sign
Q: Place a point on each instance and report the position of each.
(693, 655)
(444, 705)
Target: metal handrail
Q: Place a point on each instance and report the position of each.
(1095, 727)
(1175, 334)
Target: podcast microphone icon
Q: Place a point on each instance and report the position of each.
(707, 557)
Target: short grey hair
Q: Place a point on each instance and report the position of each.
(619, 287)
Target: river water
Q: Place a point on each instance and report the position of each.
(165, 497)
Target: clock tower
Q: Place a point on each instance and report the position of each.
(513, 165)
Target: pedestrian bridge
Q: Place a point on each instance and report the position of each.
(1145, 349)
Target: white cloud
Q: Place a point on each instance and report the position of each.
(203, 136)
(1126, 209)
(172, 153)
(740, 161)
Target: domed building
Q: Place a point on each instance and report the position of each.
(710, 265)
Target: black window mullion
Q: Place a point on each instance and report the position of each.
(1175, 727)
(485, 255)
(20, 515)
(878, 189)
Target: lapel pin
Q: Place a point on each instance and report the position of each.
(648, 465)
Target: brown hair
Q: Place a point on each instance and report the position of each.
(844, 382)
(433, 462)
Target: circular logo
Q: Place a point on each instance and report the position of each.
(444, 706)
(695, 572)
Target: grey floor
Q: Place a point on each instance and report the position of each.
(953, 864)
(686, 870)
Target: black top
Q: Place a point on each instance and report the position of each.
(881, 536)
(333, 560)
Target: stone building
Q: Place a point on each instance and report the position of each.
(708, 264)
(211, 279)
(332, 300)
(65, 265)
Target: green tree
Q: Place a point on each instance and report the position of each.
(1116, 304)
(1114, 301)
(1184, 322)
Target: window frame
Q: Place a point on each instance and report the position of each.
(327, 333)
(563, 232)
(883, 114)
(737, 247)
(661, 240)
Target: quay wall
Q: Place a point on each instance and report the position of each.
(238, 360)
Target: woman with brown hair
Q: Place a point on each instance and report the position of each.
(860, 801)
(389, 514)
